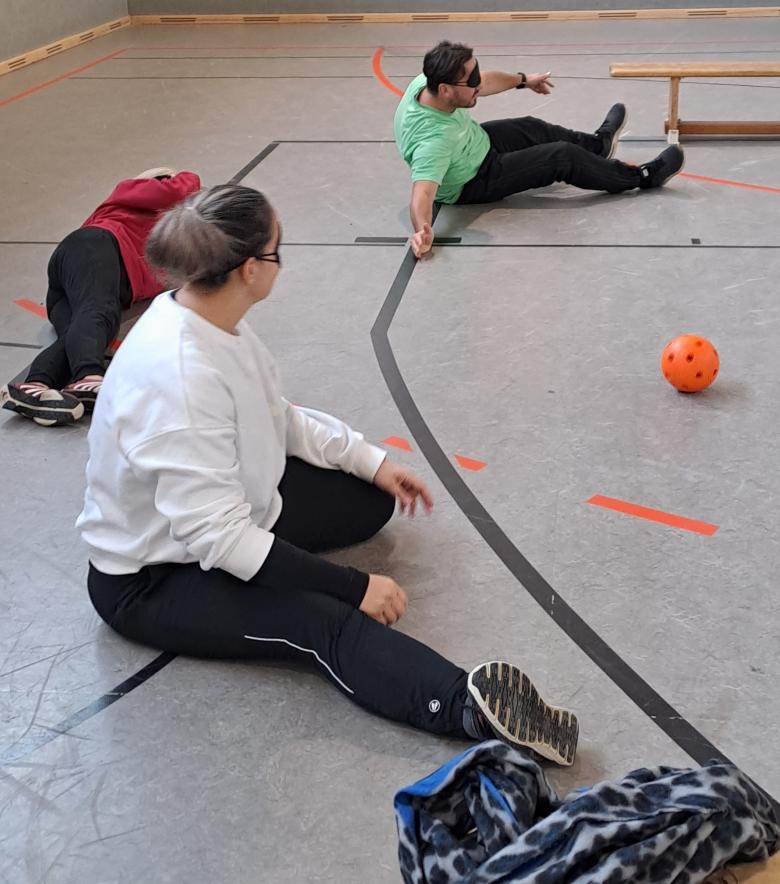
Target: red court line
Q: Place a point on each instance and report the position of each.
(84, 67)
(729, 183)
(37, 309)
(380, 74)
(643, 512)
(397, 442)
(468, 463)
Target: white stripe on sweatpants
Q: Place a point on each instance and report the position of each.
(255, 638)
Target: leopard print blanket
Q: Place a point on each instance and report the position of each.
(489, 815)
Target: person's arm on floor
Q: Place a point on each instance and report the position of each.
(429, 164)
(494, 82)
(421, 214)
(154, 194)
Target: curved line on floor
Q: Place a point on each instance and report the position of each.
(662, 713)
(376, 63)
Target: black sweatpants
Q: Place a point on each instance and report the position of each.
(298, 606)
(88, 288)
(526, 152)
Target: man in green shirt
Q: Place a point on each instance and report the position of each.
(454, 159)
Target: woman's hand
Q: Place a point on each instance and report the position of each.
(404, 486)
(384, 600)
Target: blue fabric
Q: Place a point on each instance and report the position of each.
(489, 815)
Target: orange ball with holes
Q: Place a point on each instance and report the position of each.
(690, 363)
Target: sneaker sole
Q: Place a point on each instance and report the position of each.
(515, 711)
(616, 138)
(41, 414)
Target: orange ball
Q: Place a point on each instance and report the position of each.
(690, 363)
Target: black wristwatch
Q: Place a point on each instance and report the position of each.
(523, 81)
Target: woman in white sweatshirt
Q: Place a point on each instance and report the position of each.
(209, 496)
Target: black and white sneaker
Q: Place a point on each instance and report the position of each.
(516, 714)
(45, 406)
(609, 131)
(86, 391)
(658, 171)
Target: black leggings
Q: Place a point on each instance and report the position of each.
(526, 153)
(297, 607)
(88, 287)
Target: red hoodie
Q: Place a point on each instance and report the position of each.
(130, 213)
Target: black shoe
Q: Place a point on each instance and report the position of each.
(516, 713)
(45, 406)
(658, 171)
(86, 391)
(609, 131)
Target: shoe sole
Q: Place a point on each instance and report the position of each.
(41, 414)
(515, 711)
(88, 403)
(616, 138)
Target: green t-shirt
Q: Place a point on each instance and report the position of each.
(441, 147)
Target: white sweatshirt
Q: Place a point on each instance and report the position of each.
(188, 445)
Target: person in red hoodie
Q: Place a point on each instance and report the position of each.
(95, 273)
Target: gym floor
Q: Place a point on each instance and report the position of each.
(529, 347)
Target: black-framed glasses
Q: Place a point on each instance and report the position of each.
(271, 257)
(474, 79)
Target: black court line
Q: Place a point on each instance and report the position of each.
(380, 241)
(255, 161)
(566, 618)
(31, 741)
(395, 240)
(21, 346)
(335, 141)
(451, 242)
(613, 245)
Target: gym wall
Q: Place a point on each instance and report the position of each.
(28, 24)
(227, 7)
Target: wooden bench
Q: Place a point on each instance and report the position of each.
(677, 71)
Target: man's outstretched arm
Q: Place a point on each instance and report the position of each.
(494, 82)
(421, 213)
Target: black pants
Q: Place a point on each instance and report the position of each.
(88, 288)
(526, 153)
(185, 610)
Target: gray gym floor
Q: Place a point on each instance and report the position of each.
(532, 346)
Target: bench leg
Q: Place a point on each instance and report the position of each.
(673, 122)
